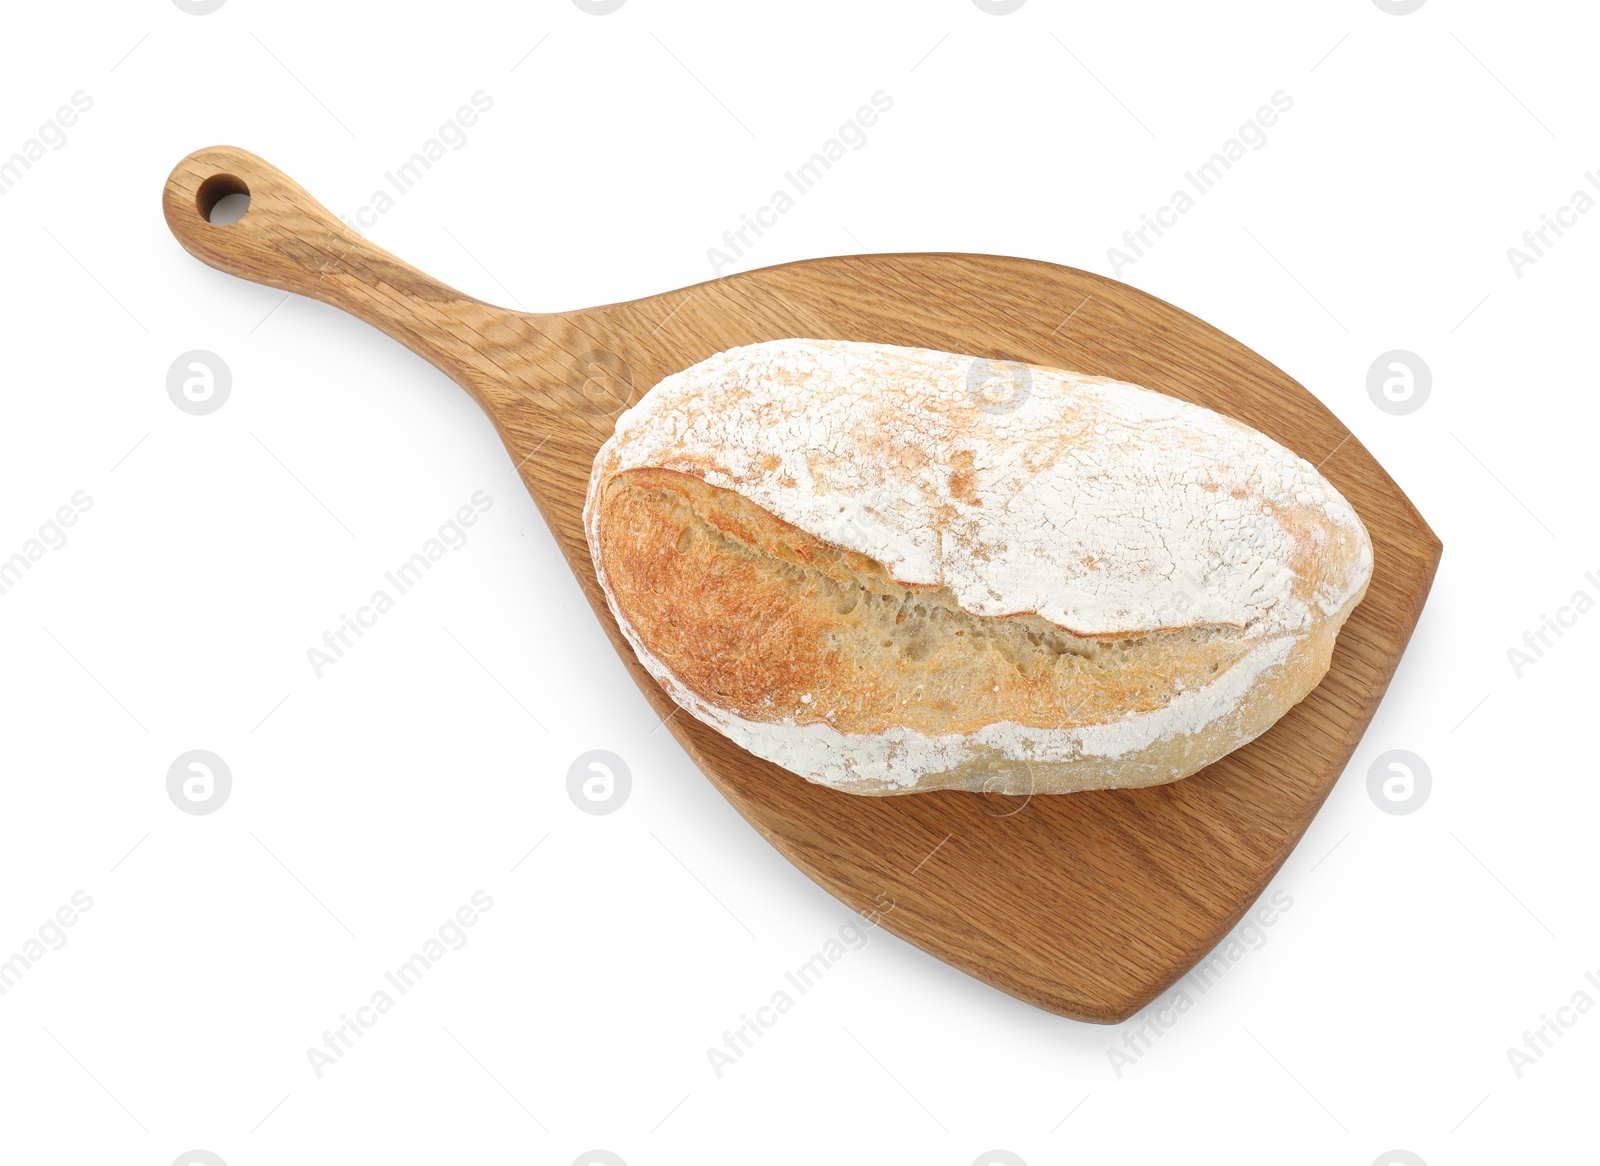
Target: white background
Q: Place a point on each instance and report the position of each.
(369, 804)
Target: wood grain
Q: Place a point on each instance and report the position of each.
(1089, 905)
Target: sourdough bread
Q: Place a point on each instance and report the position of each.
(892, 570)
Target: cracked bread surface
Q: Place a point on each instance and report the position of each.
(830, 662)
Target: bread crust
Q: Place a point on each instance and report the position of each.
(851, 671)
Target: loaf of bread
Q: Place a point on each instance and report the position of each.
(893, 570)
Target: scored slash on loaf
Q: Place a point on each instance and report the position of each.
(856, 563)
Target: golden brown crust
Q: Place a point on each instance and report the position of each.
(755, 521)
(763, 619)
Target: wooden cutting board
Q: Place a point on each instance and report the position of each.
(1089, 905)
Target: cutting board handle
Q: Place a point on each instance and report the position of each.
(288, 240)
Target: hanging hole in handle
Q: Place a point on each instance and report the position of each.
(222, 200)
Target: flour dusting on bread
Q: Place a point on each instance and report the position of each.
(1104, 584)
